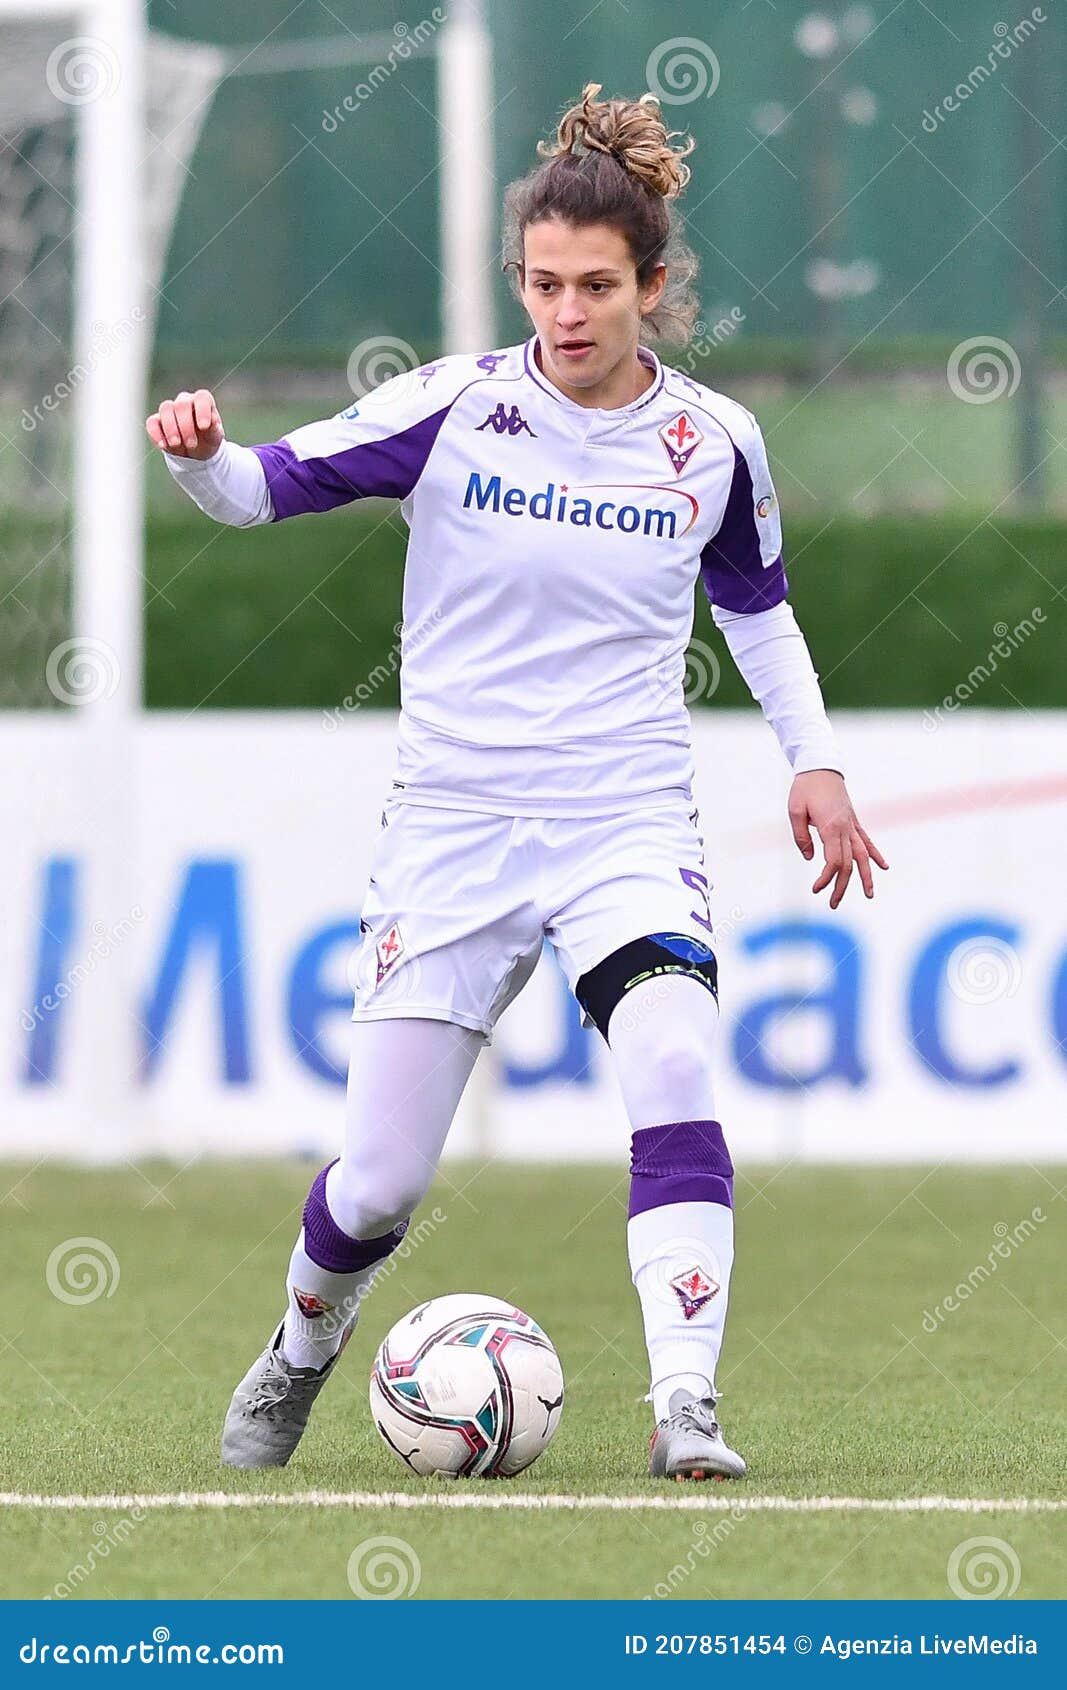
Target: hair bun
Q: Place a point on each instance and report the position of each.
(630, 131)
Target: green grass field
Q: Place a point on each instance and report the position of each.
(833, 1387)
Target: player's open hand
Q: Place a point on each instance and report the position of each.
(819, 800)
(187, 426)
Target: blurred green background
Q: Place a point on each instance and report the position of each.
(860, 233)
(897, 605)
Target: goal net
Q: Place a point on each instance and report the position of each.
(100, 120)
(70, 92)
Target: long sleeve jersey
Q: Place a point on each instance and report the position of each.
(549, 581)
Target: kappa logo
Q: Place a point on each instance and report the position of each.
(490, 361)
(506, 422)
(310, 1306)
(680, 438)
(389, 949)
(427, 372)
(694, 1290)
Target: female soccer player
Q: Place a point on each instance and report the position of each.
(562, 497)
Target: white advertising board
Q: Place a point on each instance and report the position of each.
(928, 1024)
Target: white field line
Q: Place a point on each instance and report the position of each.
(478, 1499)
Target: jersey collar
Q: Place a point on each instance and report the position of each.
(598, 413)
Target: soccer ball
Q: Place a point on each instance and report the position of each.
(466, 1387)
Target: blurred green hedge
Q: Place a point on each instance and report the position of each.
(897, 611)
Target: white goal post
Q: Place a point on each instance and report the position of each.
(88, 57)
(134, 101)
(98, 70)
(95, 68)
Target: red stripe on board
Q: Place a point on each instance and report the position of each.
(935, 806)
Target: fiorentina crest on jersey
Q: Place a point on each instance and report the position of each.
(694, 1290)
(389, 949)
(681, 437)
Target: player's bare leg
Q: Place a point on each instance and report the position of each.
(405, 1080)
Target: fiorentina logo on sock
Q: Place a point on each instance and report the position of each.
(310, 1306)
(694, 1290)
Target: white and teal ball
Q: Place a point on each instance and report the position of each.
(466, 1387)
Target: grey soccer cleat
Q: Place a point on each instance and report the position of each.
(269, 1409)
(689, 1444)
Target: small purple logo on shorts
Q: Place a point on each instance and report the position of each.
(390, 948)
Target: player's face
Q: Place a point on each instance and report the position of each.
(581, 290)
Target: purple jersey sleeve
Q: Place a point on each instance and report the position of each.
(377, 448)
(741, 565)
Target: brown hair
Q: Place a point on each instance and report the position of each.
(612, 162)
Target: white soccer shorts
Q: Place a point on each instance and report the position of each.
(460, 902)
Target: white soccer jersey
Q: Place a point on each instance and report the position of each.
(548, 587)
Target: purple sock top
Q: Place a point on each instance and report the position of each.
(334, 1250)
(680, 1162)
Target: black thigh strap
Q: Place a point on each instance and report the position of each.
(657, 954)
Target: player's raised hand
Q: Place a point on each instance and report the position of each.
(187, 426)
(819, 800)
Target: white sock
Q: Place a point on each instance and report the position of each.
(313, 1334)
(681, 1255)
(405, 1079)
